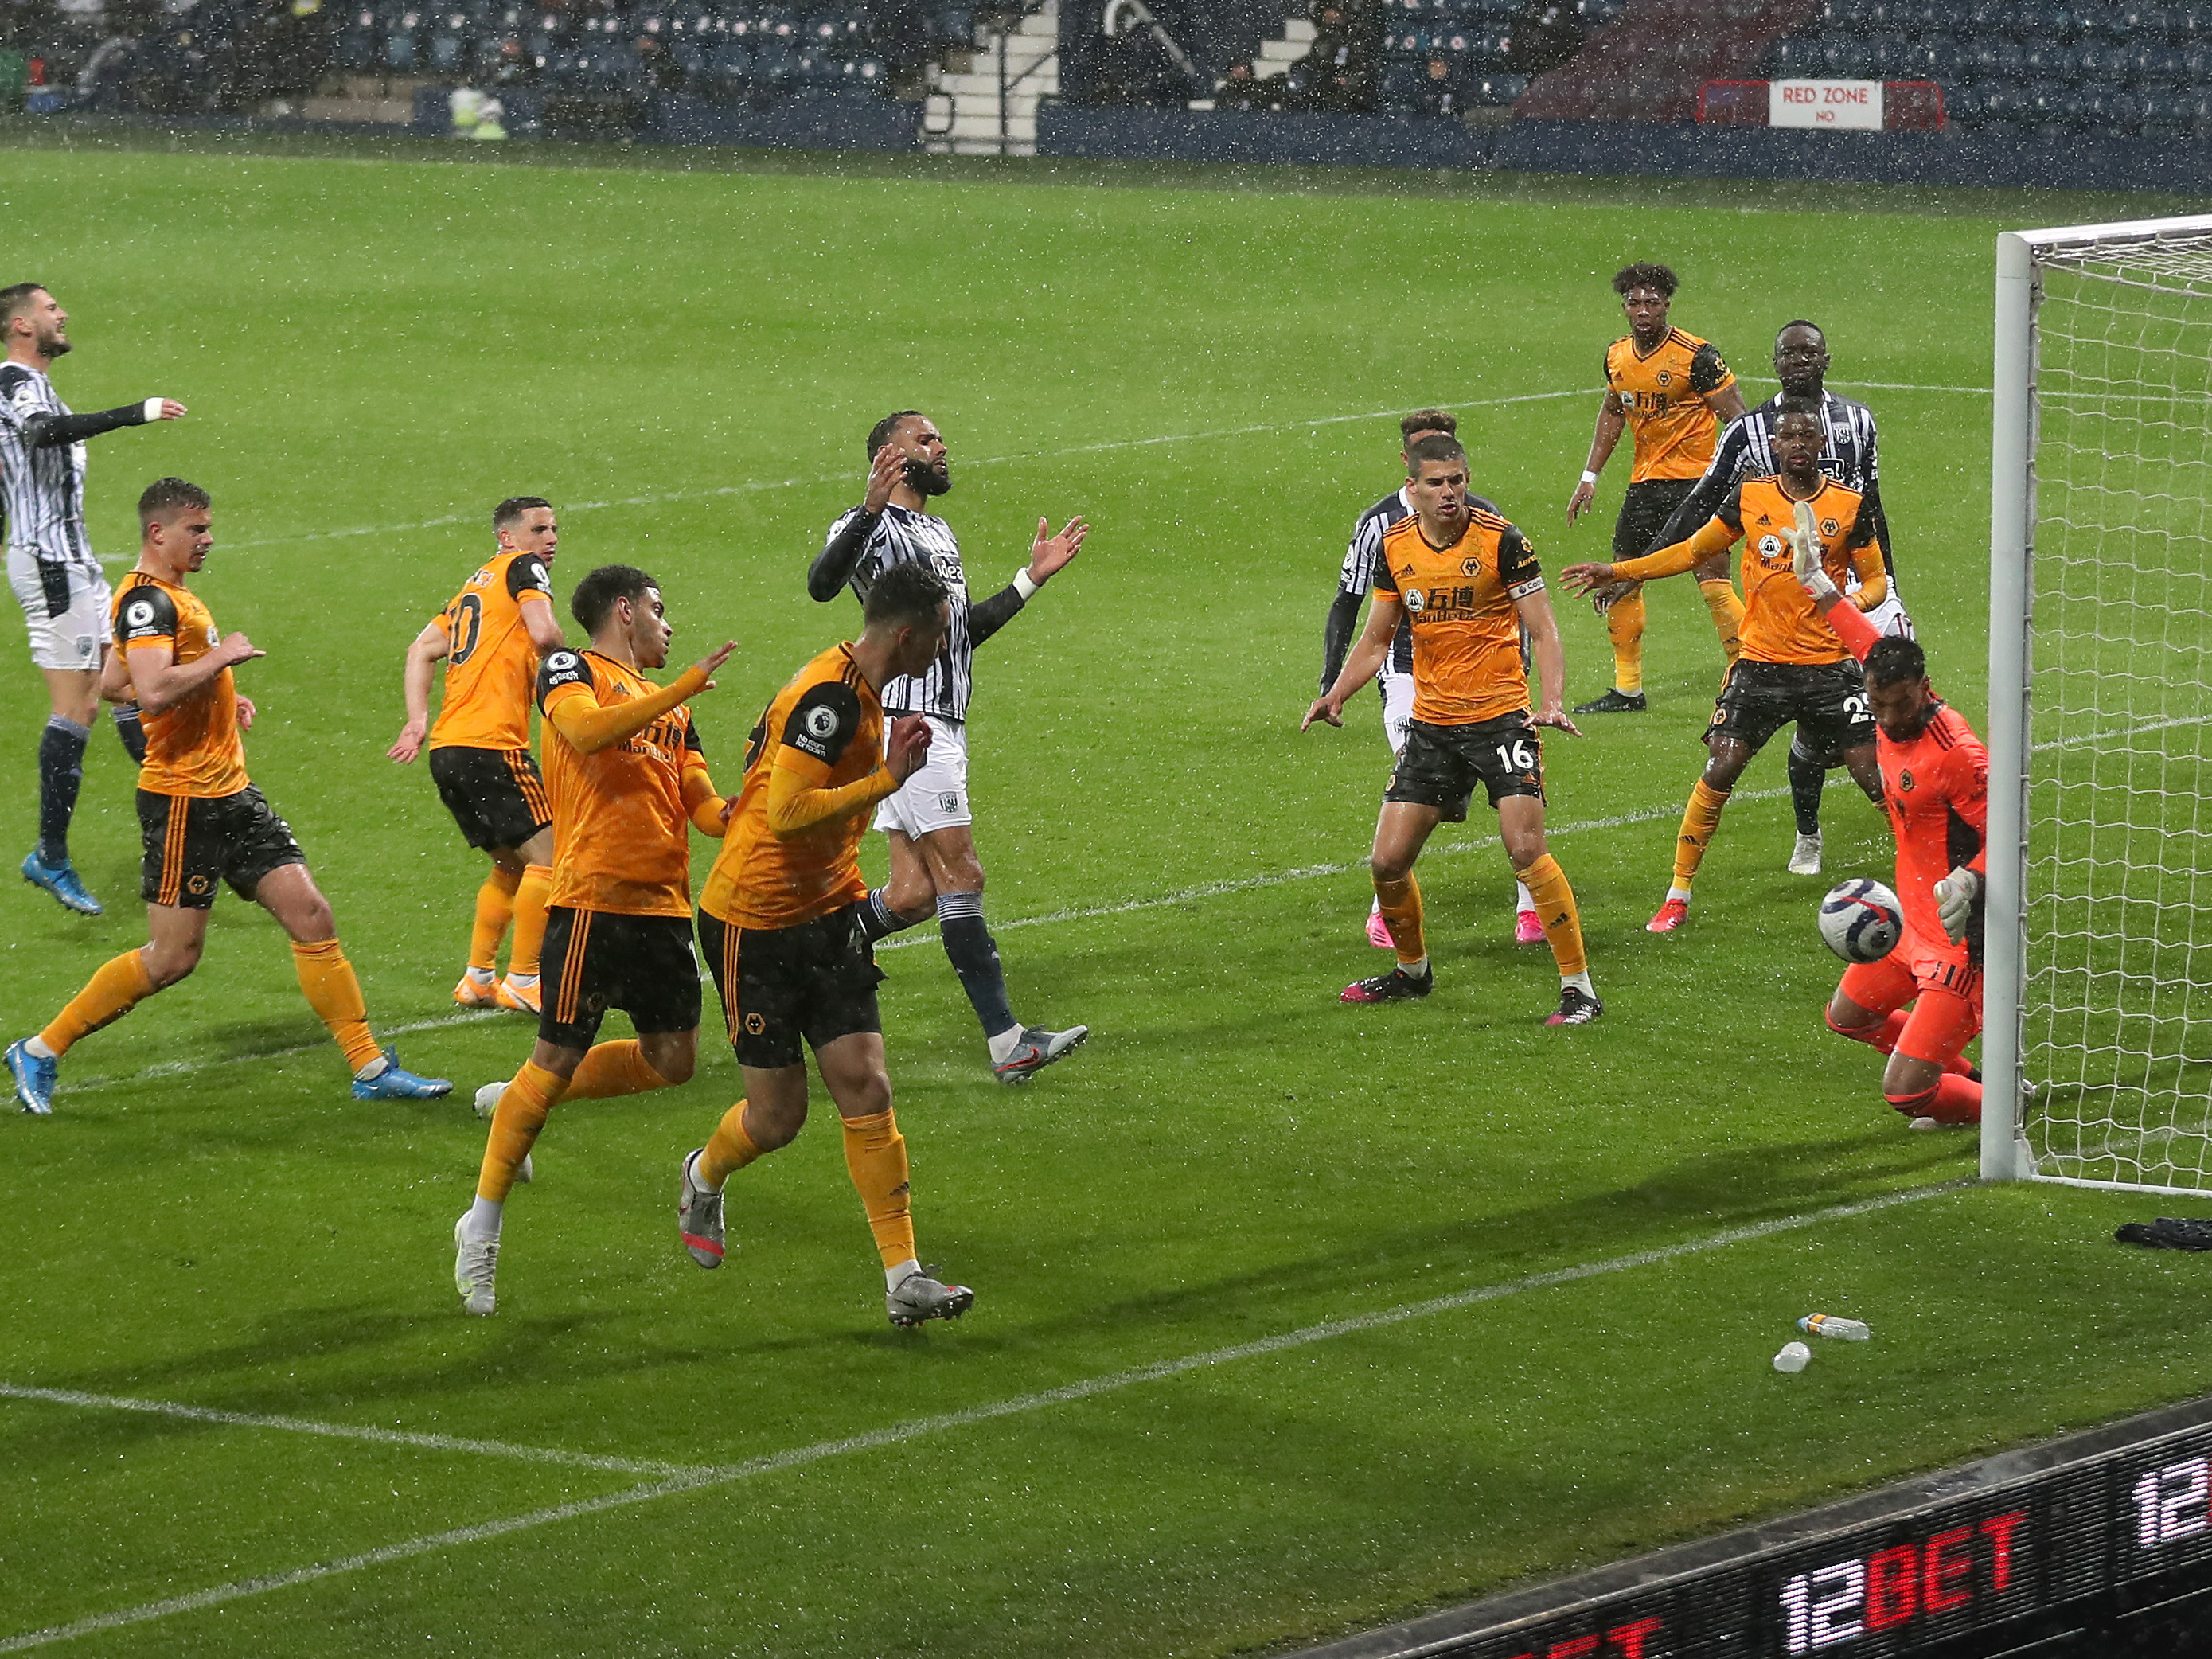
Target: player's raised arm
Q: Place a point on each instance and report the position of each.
(1049, 554)
(1611, 421)
(422, 658)
(839, 556)
(1367, 656)
(570, 700)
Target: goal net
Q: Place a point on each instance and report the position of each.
(2099, 989)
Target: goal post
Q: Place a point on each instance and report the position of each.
(2097, 1044)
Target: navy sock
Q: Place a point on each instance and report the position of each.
(1807, 777)
(975, 956)
(878, 920)
(61, 774)
(132, 733)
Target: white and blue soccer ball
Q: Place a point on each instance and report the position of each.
(1862, 921)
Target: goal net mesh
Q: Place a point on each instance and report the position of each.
(2115, 991)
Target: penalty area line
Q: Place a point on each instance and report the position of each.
(700, 1480)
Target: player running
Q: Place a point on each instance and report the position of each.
(624, 770)
(1794, 668)
(1747, 450)
(203, 821)
(1468, 582)
(491, 635)
(1921, 1004)
(928, 822)
(1355, 581)
(1672, 391)
(780, 924)
(51, 567)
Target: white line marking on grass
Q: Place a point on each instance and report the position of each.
(346, 1430)
(896, 1434)
(179, 1067)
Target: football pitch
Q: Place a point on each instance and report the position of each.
(1292, 1317)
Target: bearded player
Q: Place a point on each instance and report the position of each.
(1921, 1004)
(1469, 582)
(1794, 668)
(780, 923)
(491, 635)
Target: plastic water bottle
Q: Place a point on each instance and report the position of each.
(1850, 1330)
(1793, 1359)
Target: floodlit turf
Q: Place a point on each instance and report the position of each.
(686, 363)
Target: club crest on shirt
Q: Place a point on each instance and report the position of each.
(1905, 782)
(1829, 526)
(1470, 567)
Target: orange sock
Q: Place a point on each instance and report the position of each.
(112, 992)
(1882, 1037)
(875, 1154)
(530, 919)
(729, 1148)
(523, 1105)
(1623, 625)
(1555, 908)
(613, 1068)
(1719, 595)
(1401, 914)
(1699, 820)
(326, 978)
(1954, 1099)
(495, 909)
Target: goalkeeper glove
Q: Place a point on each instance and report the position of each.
(1954, 902)
(1805, 556)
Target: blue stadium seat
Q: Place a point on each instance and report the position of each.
(1402, 80)
(730, 66)
(1496, 90)
(1846, 57)
(2108, 109)
(355, 49)
(447, 52)
(399, 51)
(1950, 58)
(1889, 56)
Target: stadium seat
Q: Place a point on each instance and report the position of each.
(1496, 90)
(730, 66)
(1845, 57)
(399, 51)
(1889, 56)
(447, 53)
(355, 49)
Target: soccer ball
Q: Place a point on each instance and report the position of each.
(1860, 921)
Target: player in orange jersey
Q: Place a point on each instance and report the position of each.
(1469, 583)
(202, 819)
(1921, 1004)
(1794, 668)
(780, 923)
(1672, 391)
(627, 778)
(491, 635)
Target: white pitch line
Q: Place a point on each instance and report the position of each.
(699, 1480)
(179, 1067)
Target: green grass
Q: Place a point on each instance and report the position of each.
(685, 361)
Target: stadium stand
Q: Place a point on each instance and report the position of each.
(1649, 65)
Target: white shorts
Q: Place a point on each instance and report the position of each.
(1397, 708)
(936, 796)
(1889, 617)
(73, 639)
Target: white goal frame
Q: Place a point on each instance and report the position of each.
(2006, 1154)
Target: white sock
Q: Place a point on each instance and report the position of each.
(1681, 893)
(1375, 909)
(484, 1218)
(376, 1067)
(894, 1277)
(37, 1046)
(525, 981)
(1580, 982)
(1414, 970)
(1523, 898)
(1005, 1044)
(483, 976)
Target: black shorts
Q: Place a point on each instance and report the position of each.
(1829, 702)
(191, 839)
(1440, 765)
(780, 986)
(1644, 510)
(595, 960)
(496, 795)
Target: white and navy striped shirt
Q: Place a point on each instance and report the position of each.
(1746, 450)
(44, 485)
(1357, 579)
(903, 536)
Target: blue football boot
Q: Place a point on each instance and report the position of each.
(61, 881)
(34, 1078)
(393, 1083)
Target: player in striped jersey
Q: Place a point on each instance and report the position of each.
(50, 566)
(204, 821)
(1670, 390)
(1747, 450)
(1394, 679)
(928, 822)
(491, 635)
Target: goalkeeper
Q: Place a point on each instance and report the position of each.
(1921, 1004)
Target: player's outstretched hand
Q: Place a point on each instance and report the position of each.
(171, 408)
(1556, 717)
(1579, 504)
(236, 648)
(1049, 554)
(246, 714)
(713, 661)
(908, 746)
(1323, 709)
(883, 475)
(1954, 902)
(1582, 578)
(409, 744)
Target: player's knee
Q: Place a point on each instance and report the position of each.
(1522, 848)
(164, 968)
(1389, 867)
(674, 1066)
(1848, 1021)
(867, 1096)
(771, 1128)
